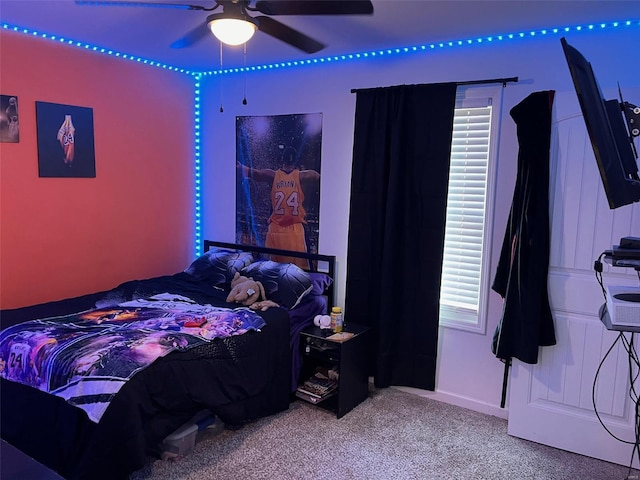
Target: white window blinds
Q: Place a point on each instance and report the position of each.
(461, 287)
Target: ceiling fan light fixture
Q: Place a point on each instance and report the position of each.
(232, 31)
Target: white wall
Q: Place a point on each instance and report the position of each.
(468, 374)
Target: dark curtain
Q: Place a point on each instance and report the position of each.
(402, 144)
(523, 266)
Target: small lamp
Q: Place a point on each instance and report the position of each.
(231, 30)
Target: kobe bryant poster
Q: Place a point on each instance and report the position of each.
(278, 181)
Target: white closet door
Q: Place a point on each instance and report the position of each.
(551, 402)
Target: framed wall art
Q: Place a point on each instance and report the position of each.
(9, 125)
(65, 140)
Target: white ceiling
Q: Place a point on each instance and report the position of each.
(149, 32)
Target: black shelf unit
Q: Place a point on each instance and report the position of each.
(349, 357)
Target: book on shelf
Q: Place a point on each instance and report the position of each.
(340, 336)
(313, 397)
(317, 387)
(309, 393)
(310, 398)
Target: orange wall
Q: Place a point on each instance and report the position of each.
(62, 237)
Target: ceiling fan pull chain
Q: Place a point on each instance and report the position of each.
(244, 76)
(221, 89)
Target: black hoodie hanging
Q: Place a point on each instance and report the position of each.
(521, 275)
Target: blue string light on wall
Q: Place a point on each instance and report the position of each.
(376, 54)
(93, 48)
(335, 58)
(196, 166)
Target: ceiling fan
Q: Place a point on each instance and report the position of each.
(234, 18)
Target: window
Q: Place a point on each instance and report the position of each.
(464, 285)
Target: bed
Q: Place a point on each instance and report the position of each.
(239, 378)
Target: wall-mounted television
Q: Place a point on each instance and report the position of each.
(607, 126)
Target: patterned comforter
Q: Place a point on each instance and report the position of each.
(87, 357)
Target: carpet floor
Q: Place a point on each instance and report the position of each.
(391, 435)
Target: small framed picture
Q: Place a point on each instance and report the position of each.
(65, 140)
(9, 125)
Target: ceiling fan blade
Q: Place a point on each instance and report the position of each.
(182, 6)
(314, 7)
(192, 37)
(288, 35)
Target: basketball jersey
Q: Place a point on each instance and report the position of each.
(287, 198)
(66, 137)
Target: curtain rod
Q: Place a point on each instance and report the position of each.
(503, 81)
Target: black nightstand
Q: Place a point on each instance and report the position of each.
(347, 357)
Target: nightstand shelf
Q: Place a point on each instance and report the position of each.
(347, 357)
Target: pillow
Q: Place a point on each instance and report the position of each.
(320, 282)
(218, 265)
(284, 283)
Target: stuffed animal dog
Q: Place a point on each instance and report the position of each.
(245, 290)
(248, 292)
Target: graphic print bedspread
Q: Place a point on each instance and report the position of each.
(87, 357)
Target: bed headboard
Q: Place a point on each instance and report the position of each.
(320, 263)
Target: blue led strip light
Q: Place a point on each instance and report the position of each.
(197, 76)
(337, 58)
(425, 48)
(93, 48)
(197, 180)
